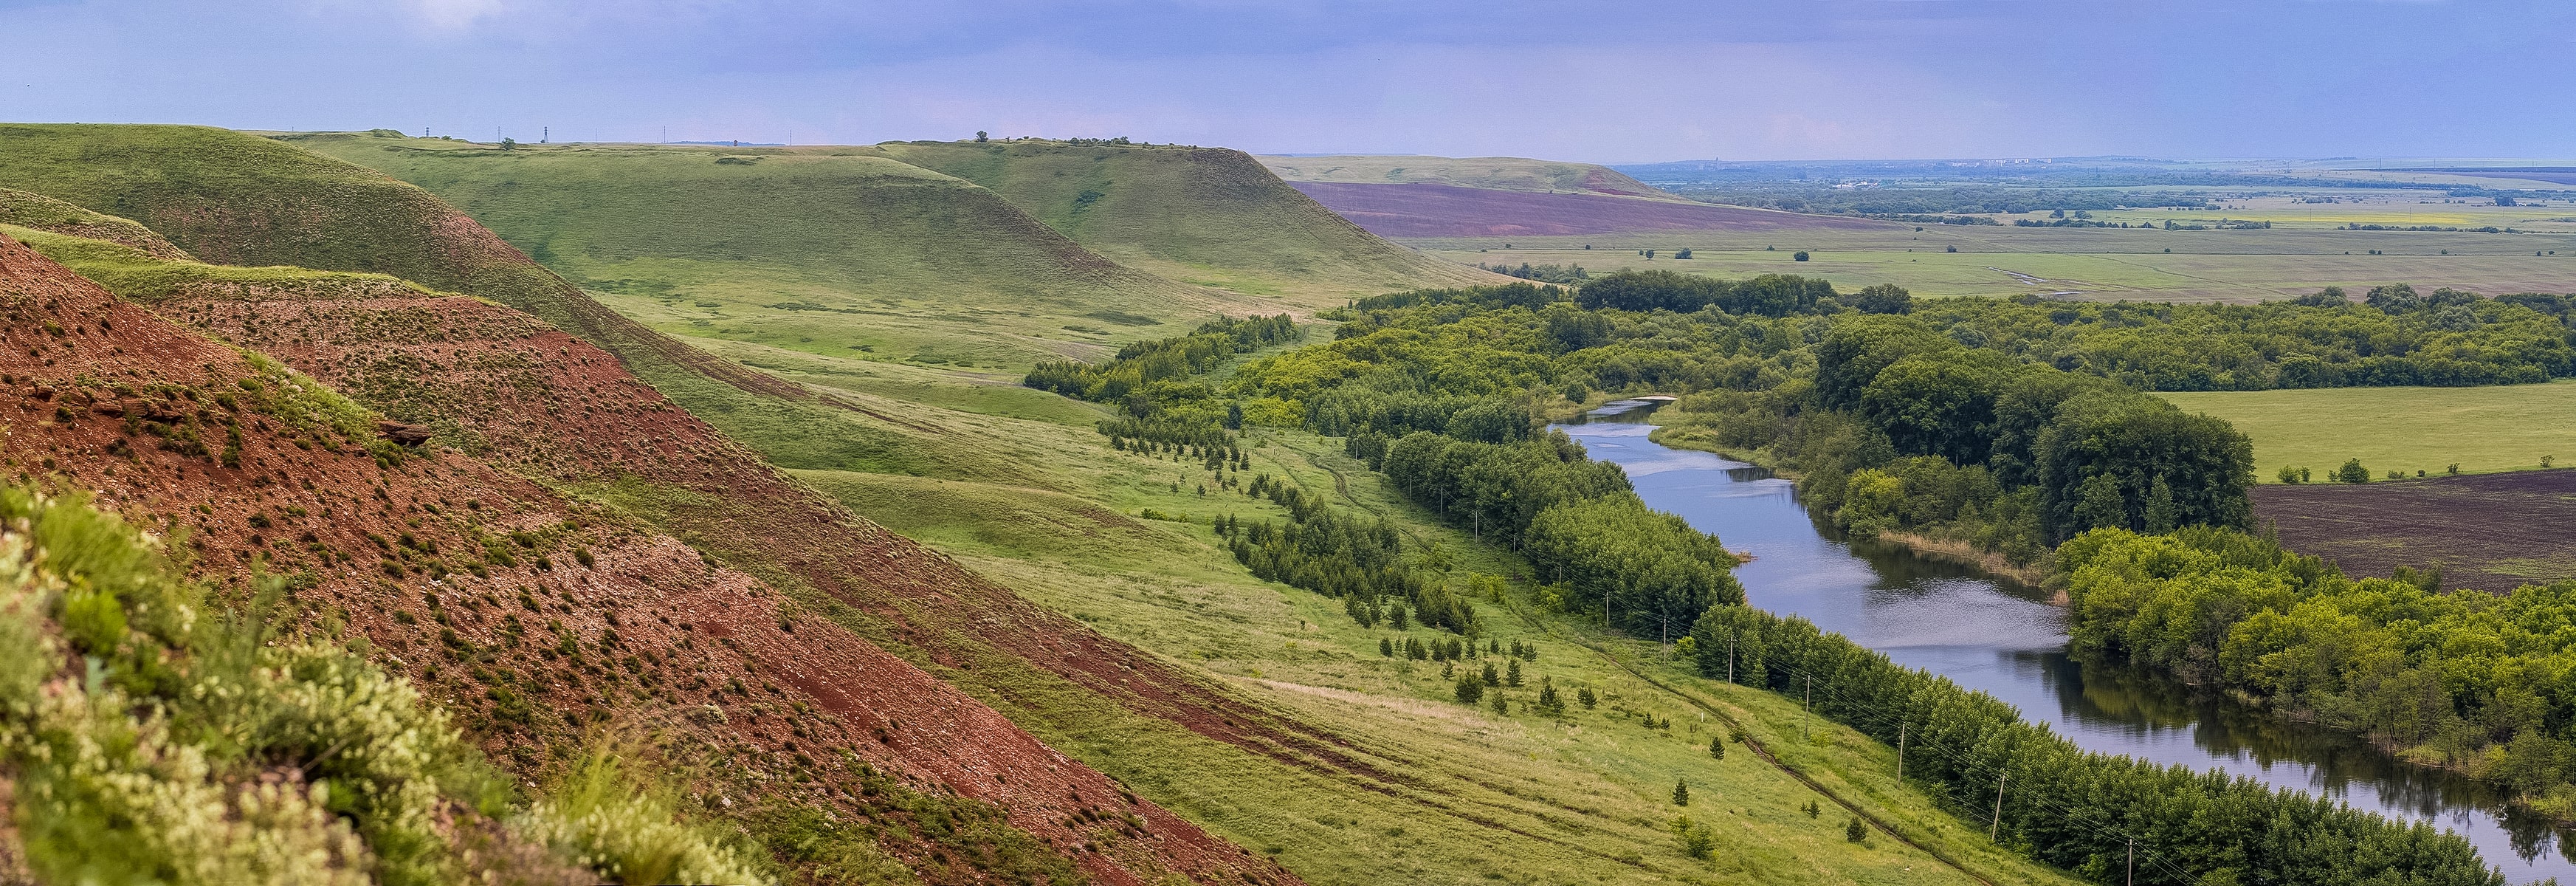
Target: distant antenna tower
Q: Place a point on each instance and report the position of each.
(544, 133)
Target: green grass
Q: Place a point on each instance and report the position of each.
(1518, 799)
(1209, 216)
(2110, 264)
(1493, 173)
(2482, 430)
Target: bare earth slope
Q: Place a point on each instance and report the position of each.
(1425, 211)
(551, 612)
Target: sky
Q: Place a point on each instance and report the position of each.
(1593, 81)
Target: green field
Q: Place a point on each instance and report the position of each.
(1496, 173)
(2301, 253)
(2481, 430)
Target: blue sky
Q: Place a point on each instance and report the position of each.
(1602, 81)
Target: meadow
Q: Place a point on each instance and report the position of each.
(2304, 250)
(2480, 430)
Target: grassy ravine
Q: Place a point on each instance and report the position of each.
(1516, 798)
(2482, 430)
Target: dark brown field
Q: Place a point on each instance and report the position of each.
(2491, 532)
(1419, 210)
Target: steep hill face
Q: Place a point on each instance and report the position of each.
(531, 606)
(1485, 173)
(1205, 215)
(832, 250)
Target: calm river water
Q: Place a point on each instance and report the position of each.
(2010, 643)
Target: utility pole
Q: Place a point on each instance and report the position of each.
(1807, 727)
(1730, 656)
(1900, 750)
(545, 134)
(1994, 829)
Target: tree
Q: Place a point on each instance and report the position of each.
(2161, 514)
(1583, 696)
(1801, 256)
(1502, 706)
(1716, 747)
(2352, 472)
(1512, 673)
(1385, 645)
(1698, 840)
(1549, 702)
(980, 135)
(1234, 416)
(2289, 474)
(1490, 678)
(1884, 298)
(1681, 792)
(1855, 831)
(508, 144)
(1470, 690)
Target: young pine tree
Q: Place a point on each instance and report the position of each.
(1716, 747)
(1812, 809)
(1386, 646)
(1584, 697)
(1491, 678)
(1549, 702)
(1470, 690)
(1502, 707)
(1855, 831)
(1395, 616)
(1681, 792)
(1512, 673)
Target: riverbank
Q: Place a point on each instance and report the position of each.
(1988, 563)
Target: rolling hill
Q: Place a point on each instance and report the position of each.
(1483, 173)
(1205, 215)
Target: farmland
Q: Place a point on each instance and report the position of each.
(2482, 430)
(2493, 532)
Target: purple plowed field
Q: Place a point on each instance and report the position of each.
(1422, 211)
(2492, 532)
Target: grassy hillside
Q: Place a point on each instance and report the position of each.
(1205, 215)
(1490, 173)
(827, 250)
(1432, 790)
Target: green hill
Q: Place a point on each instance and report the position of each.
(1487, 173)
(829, 251)
(1211, 216)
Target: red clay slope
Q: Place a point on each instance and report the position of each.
(1421, 210)
(530, 613)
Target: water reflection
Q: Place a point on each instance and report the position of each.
(2007, 641)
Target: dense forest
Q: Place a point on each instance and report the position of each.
(1927, 433)
(2468, 679)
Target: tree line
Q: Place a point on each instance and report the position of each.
(1327, 550)
(2065, 806)
(2473, 680)
(1138, 367)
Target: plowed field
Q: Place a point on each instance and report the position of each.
(2490, 531)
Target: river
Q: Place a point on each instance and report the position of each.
(2009, 642)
